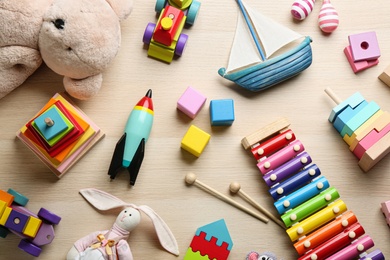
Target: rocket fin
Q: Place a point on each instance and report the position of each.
(135, 164)
(117, 157)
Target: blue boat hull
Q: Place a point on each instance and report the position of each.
(273, 71)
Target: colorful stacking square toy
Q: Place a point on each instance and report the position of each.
(364, 127)
(60, 134)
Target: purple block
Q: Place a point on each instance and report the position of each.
(16, 221)
(364, 46)
(191, 102)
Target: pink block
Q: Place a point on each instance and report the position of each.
(280, 157)
(358, 65)
(364, 46)
(369, 140)
(191, 102)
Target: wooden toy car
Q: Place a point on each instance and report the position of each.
(165, 39)
(35, 230)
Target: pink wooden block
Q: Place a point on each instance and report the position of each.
(280, 157)
(191, 102)
(364, 46)
(369, 140)
(358, 65)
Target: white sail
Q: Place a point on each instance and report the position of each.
(271, 35)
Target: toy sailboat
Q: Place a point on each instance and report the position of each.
(265, 53)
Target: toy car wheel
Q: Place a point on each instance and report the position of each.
(160, 4)
(181, 44)
(148, 34)
(193, 12)
(3, 232)
(30, 248)
(48, 216)
(18, 198)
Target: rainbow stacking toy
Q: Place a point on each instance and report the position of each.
(60, 134)
(363, 126)
(317, 220)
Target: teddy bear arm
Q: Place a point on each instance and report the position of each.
(17, 63)
(83, 88)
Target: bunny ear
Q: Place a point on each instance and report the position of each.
(167, 239)
(103, 200)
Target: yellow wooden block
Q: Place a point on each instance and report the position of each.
(195, 140)
(5, 215)
(3, 206)
(32, 226)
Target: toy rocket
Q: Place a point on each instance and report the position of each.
(129, 150)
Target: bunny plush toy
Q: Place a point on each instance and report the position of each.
(112, 244)
(75, 38)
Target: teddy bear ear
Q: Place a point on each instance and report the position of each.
(122, 8)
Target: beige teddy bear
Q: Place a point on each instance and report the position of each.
(75, 38)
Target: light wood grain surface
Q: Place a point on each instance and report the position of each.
(160, 183)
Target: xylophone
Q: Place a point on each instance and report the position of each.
(363, 126)
(317, 220)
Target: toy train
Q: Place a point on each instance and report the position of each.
(317, 220)
(165, 39)
(35, 230)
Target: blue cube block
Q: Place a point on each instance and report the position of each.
(221, 112)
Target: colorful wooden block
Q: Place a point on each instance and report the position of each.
(4, 217)
(195, 140)
(190, 102)
(3, 206)
(222, 112)
(60, 126)
(358, 66)
(347, 114)
(16, 221)
(369, 140)
(353, 101)
(6, 197)
(375, 153)
(359, 119)
(212, 241)
(364, 46)
(363, 130)
(385, 76)
(32, 226)
(385, 208)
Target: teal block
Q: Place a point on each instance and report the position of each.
(359, 119)
(221, 112)
(49, 132)
(353, 101)
(347, 114)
